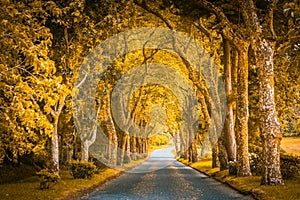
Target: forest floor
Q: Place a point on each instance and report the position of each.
(291, 145)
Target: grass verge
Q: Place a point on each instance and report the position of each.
(249, 185)
(291, 145)
(67, 188)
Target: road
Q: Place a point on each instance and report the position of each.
(162, 177)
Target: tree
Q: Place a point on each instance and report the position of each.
(236, 36)
(269, 124)
(33, 89)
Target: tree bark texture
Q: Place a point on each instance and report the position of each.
(270, 128)
(123, 148)
(85, 151)
(242, 115)
(223, 158)
(112, 135)
(215, 158)
(55, 148)
(229, 135)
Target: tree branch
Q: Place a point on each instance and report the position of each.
(144, 5)
(270, 18)
(233, 36)
(82, 81)
(203, 30)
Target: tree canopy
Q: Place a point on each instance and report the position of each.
(249, 49)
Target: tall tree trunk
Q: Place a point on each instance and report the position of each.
(242, 115)
(112, 135)
(55, 148)
(270, 128)
(215, 159)
(87, 142)
(223, 158)
(193, 157)
(229, 135)
(145, 145)
(133, 148)
(234, 72)
(269, 124)
(205, 147)
(85, 151)
(140, 145)
(194, 152)
(128, 150)
(176, 143)
(75, 147)
(123, 147)
(213, 139)
(70, 152)
(183, 144)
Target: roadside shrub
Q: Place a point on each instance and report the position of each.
(232, 168)
(48, 178)
(83, 169)
(97, 163)
(290, 165)
(256, 164)
(140, 156)
(127, 159)
(255, 159)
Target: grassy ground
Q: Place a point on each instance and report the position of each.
(250, 185)
(67, 188)
(29, 188)
(291, 145)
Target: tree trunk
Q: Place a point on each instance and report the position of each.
(133, 148)
(123, 148)
(140, 146)
(146, 146)
(176, 143)
(205, 147)
(143, 145)
(234, 72)
(194, 152)
(193, 157)
(128, 153)
(70, 152)
(55, 148)
(223, 158)
(270, 128)
(269, 124)
(112, 135)
(213, 139)
(85, 151)
(215, 160)
(183, 145)
(242, 115)
(229, 135)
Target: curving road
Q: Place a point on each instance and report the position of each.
(162, 177)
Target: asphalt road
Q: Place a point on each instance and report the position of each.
(162, 177)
